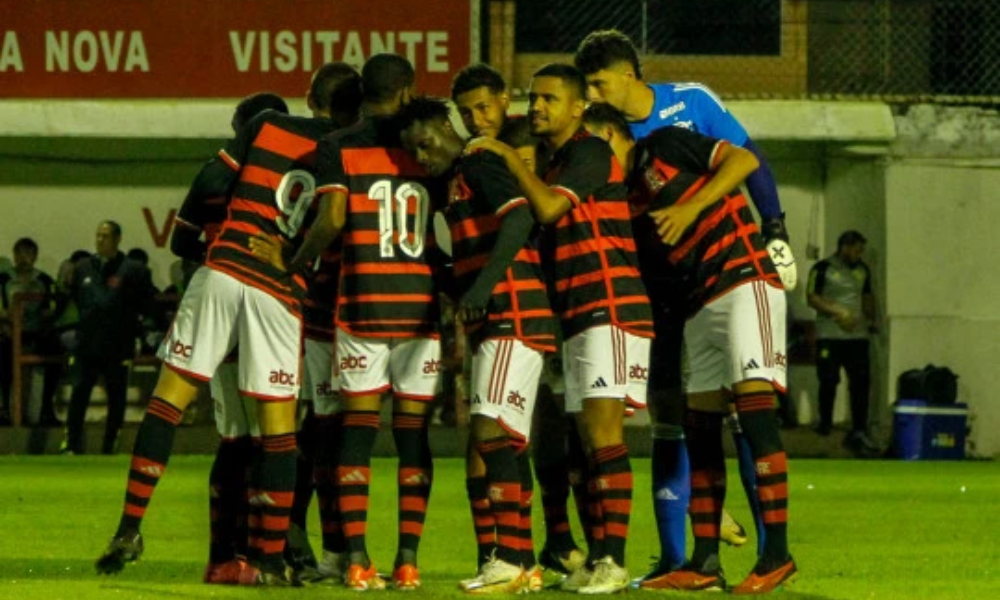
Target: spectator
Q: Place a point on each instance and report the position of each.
(840, 289)
(67, 316)
(36, 326)
(110, 292)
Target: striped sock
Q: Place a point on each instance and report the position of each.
(153, 445)
(228, 485)
(505, 496)
(703, 432)
(353, 480)
(324, 467)
(760, 426)
(272, 497)
(477, 490)
(614, 486)
(415, 476)
(527, 495)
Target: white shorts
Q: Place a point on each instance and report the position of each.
(605, 362)
(219, 311)
(411, 367)
(235, 414)
(320, 383)
(738, 336)
(505, 376)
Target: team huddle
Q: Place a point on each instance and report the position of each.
(604, 227)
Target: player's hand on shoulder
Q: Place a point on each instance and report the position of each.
(673, 221)
(269, 249)
(485, 144)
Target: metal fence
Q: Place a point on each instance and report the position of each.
(944, 50)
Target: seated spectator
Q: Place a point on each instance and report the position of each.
(37, 334)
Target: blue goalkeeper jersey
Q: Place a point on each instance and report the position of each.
(691, 106)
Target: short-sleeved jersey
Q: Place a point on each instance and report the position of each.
(690, 106)
(481, 194)
(597, 279)
(387, 288)
(272, 158)
(723, 248)
(847, 285)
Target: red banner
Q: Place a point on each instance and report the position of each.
(219, 48)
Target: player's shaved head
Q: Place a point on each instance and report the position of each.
(571, 77)
(254, 104)
(336, 88)
(384, 76)
(603, 49)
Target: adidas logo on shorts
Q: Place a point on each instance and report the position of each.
(600, 383)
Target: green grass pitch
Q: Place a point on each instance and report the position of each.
(859, 530)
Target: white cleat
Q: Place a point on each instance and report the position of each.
(495, 577)
(608, 578)
(576, 580)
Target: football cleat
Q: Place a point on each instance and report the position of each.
(577, 579)
(764, 579)
(731, 532)
(361, 579)
(230, 572)
(657, 569)
(495, 577)
(564, 562)
(608, 578)
(690, 578)
(534, 580)
(282, 577)
(406, 577)
(332, 566)
(121, 549)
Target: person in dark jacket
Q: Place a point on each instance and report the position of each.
(111, 292)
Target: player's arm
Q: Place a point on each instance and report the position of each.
(217, 178)
(727, 167)
(814, 294)
(547, 204)
(490, 181)
(715, 120)
(331, 214)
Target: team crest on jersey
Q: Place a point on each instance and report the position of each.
(458, 190)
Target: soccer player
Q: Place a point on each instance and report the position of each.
(320, 409)
(480, 93)
(699, 221)
(238, 299)
(604, 311)
(387, 311)
(197, 225)
(508, 321)
(611, 64)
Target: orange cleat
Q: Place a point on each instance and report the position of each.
(361, 579)
(686, 578)
(406, 577)
(227, 573)
(762, 582)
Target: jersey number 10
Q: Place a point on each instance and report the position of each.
(397, 204)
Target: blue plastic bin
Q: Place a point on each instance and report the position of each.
(930, 431)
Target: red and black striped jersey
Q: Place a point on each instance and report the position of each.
(481, 194)
(321, 296)
(597, 279)
(387, 288)
(272, 158)
(723, 248)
